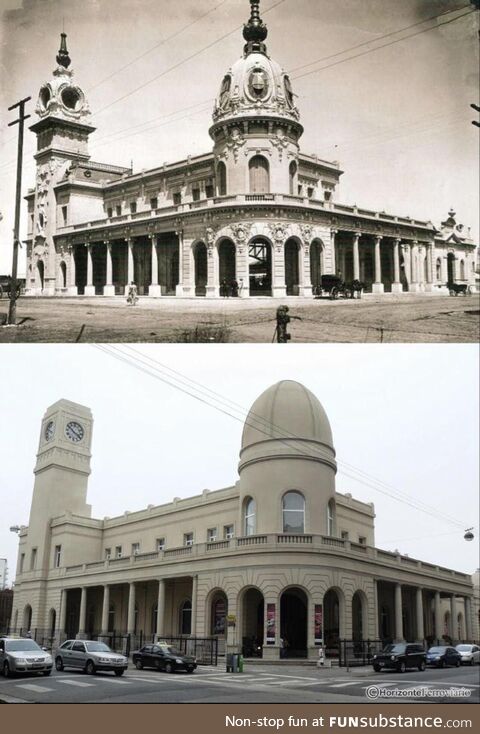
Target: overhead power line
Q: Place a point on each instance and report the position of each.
(199, 392)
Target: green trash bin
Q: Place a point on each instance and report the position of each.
(240, 663)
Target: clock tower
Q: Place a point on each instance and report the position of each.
(61, 472)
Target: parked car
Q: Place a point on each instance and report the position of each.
(163, 657)
(90, 656)
(470, 654)
(19, 655)
(400, 656)
(442, 656)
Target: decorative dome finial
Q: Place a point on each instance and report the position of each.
(63, 59)
(255, 31)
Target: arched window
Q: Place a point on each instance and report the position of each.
(292, 170)
(222, 179)
(250, 520)
(331, 518)
(186, 618)
(462, 269)
(293, 510)
(219, 615)
(439, 269)
(259, 175)
(63, 274)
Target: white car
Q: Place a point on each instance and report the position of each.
(23, 656)
(470, 654)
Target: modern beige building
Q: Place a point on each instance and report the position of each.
(279, 555)
(255, 210)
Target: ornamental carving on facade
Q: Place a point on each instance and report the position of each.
(210, 234)
(234, 142)
(279, 231)
(307, 233)
(241, 232)
(280, 142)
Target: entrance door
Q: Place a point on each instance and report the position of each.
(260, 268)
(450, 268)
(293, 623)
(226, 254)
(292, 251)
(201, 269)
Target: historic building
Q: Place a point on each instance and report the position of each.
(254, 213)
(279, 555)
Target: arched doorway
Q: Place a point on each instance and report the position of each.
(186, 618)
(218, 614)
(41, 274)
(293, 623)
(331, 624)
(292, 267)
(260, 267)
(201, 269)
(253, 611)
(63, 275)
(438, 269)
(27, 619)
(80, 257)
(359, 614)
(450, 268)
(316, 264)
(226, 256)
(222, 179)
(259, 170)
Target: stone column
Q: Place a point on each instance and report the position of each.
(242, 270)
(194, 605)
(453, 618)
(429, 250)
(213, 285)
(419, 615)
(89, 288)
(154, 289)
(279, 288)
(414, 285)
(63, 614)
(377, 286)
(421, 268)
(105, 608)
(356, 256)
(396, 285)
(305, 286)
(83, 614)
(438, 617)
(72, 288)
(468, 618)
(333, 267)
(130, 268)
(109, 288)
(131, 609)
(398, 613)
(160, 607)
(179, 289)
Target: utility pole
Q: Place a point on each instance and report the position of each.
(12, 311)
(477, 108)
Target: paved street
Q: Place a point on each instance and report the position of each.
(258, 684)
(391, 318)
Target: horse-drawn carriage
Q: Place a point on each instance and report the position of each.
(334, 286)
(6, 287)
(456, 288)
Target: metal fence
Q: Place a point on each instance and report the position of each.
(355, 653)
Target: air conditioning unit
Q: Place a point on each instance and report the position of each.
(189, 542)
(212, 538)
(228, 536)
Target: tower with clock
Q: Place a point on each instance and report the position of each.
(62, 140)
(61, 473)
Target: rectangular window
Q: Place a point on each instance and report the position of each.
(135, 549)
(344, 534)
(109, 212)
(64, 215)
(118, 551)
(160, 544)
(57, 558)
(211, 535)
(228, 532)
(33, 559)
(177, 198)
(188, 539)
(118, 210)
(310, 192)
(327, 195)
(362, 540)
(154, 203)
(196, 194)
(209, 193)
(108, 554)
(300, 189)
(133, 207)
(22, 561)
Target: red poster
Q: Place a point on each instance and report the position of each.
(318, 624)
(271, 632)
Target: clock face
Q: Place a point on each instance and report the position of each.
(74, 431)
(49, 431)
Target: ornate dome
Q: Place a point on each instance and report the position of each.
(60, 97)
(287, 408)
(255, 84)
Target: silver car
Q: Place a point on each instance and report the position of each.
(470, 654)
(90, 656)
(19, 655)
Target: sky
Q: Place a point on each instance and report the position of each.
(405, 414)
(398, 120)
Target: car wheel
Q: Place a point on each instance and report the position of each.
(90, 668)
(46, 673)
(402, 667)
(442, 664)
(377, 668)
(119, 673)
(334, 294)
(139, 665)
(169, 668)
(457, 664)
(189, 670)
(59, 663)
(6, 670)
(422, 666)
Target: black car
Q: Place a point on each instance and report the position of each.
(442, 656)
(163, 657)
(400, 656)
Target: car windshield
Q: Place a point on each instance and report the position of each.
(394, 648)
(23, 645)
(437, 649)
(97, 647)
(464, 648)
(169, 649)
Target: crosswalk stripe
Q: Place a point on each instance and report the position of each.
(34, 688)
(78, 683)
(345, 684)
